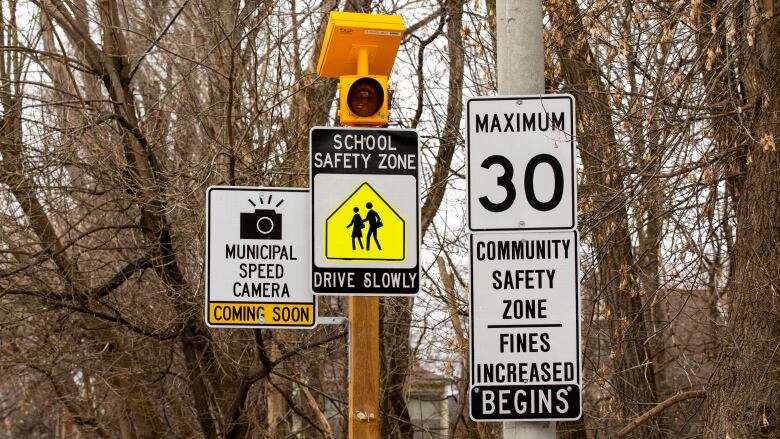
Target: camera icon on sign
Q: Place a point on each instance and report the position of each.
(261, 224)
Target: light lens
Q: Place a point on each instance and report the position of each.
(365, 97)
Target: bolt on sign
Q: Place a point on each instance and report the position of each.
(365, 211)
(257, 258)
(525, 326)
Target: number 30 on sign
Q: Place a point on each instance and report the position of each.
(521, 160)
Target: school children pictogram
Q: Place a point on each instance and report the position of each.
(365, 227)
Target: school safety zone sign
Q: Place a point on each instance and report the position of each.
(525, 327)
(365, 211)
(257, 258)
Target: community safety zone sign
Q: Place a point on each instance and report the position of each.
(365, 211)
(525, 327)
(257, 258)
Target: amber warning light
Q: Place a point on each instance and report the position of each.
(360, 50)
(365, 97)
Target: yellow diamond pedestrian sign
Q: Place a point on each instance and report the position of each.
(365, 227)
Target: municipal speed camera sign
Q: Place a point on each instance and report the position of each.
(521, 166)
(525, 327)
(365, 211)
(257, 258)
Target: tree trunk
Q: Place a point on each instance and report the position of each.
(721, 68)
(603, 191)
(744, 393)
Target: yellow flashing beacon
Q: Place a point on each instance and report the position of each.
(360, 50)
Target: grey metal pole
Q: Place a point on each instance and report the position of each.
(521, 71)
(520, 47)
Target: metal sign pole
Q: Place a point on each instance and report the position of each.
(521, 71)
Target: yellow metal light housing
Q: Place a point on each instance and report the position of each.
(349, 33)
(360, 50)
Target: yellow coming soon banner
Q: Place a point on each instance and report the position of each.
(282, 314)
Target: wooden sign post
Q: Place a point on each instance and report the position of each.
(364, 367)
(367, 171)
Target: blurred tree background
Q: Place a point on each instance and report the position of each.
(115, 116)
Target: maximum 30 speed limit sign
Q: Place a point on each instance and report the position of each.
(521, 163)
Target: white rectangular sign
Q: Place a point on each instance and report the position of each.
(521, 166)
(525, 326)
(258, 258)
